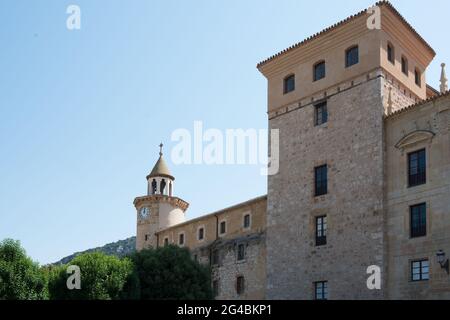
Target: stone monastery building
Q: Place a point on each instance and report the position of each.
(364, 176)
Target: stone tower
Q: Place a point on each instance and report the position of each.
(159, 209)
(328, 96)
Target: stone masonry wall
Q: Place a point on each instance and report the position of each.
(425, 126)
(351, 144)
(252, 268)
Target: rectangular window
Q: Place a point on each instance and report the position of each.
(321, 231)
(418, 76)
(181, 239)
(319, 71)
(321, 180)
(215, 287)
(417, 174)
(420, 270)
(390, 53)
(240, 285)
(321, 290)
(418, 220)
(321, 113)
(223, 227)
(289, 84)
(201, 233)
(241, 252)
(246, 221)
(351, 56)
(215, 257)
(166, 241)
(405, 65)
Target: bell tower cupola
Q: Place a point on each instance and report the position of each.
(160, 180)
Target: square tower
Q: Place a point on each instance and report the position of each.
(328, 96)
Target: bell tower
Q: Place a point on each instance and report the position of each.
(159, 209)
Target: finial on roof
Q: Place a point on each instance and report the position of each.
(160, 169)
(444, 86)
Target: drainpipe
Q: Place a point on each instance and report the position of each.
(217, 237)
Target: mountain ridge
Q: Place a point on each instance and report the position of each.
(119, 249)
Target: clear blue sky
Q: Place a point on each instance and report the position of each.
(82, 112)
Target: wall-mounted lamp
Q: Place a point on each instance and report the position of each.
(442, 261)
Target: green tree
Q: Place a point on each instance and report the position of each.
(102, 277)
(170, 273)
(20, 277)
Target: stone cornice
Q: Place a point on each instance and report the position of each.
(183, 205)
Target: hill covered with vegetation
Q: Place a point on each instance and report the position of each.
(119, 249)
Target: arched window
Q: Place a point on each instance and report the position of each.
(351, 56)
(391, 53)
(154, 186)
(418, 77)
(163, 186)
(319, 70)
(404, 65)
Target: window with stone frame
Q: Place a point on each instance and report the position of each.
(201, 233)
(321, 290)
(241, 252)
(181, 239)
(418, 220)
(320, 180)
(417, 172)
(223, 227)
(351, 56)
(391, 53)
(420, 270)
(418, 77)
(289, 84)
(320, 113)
(404, 65)
(321, 230)
(247, 221)
(319, 71)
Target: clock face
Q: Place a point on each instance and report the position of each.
(144, 212)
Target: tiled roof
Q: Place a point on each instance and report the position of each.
(432, 89)
(420, 103)
(352, 17)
